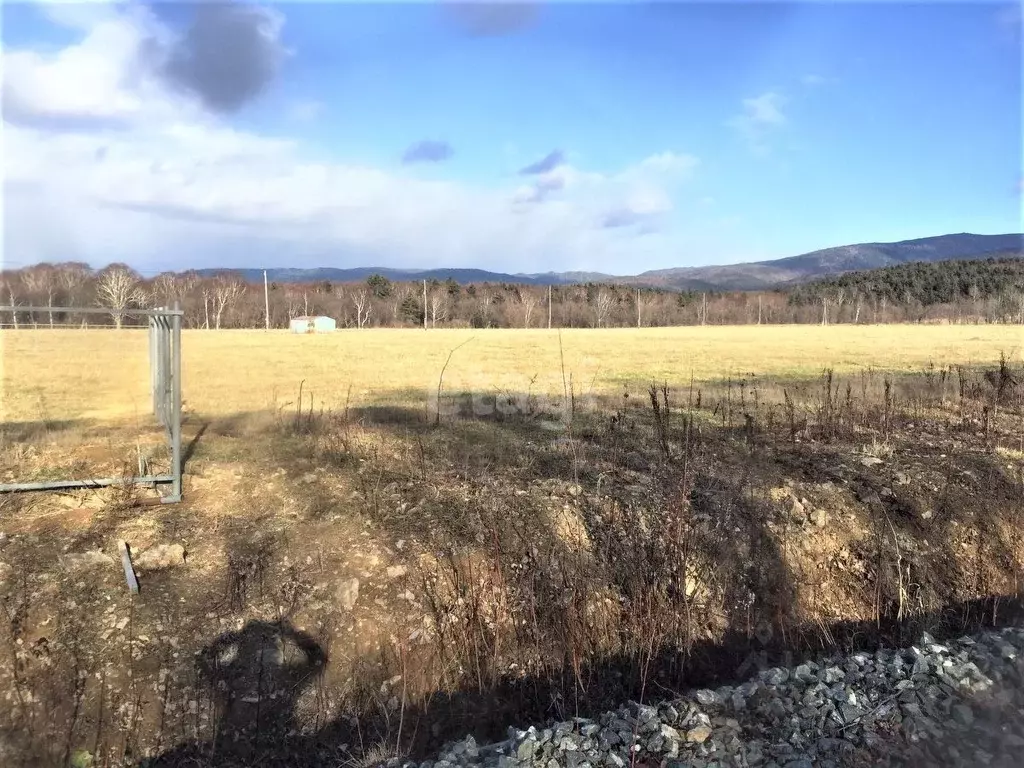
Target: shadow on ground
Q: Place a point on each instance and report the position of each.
(260, 672)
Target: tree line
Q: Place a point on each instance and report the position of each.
(989, 291)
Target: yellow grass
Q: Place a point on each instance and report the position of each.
(64, 374)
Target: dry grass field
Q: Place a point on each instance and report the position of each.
(355, 580)
(101, 374)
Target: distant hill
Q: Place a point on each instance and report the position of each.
(737, 277)
(832, 261)
(359, 274)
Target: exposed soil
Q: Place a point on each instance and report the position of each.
(376, 584)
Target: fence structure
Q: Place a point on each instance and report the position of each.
(165, 382)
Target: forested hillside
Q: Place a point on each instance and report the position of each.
(926, 283)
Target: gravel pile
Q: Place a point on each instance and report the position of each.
(955, 703)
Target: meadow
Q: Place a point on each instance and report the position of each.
(417, 579)
(102, 374)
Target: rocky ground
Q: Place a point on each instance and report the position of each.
(955, 703)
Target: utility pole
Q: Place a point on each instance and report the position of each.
(549, 307)
(266, 300)
(637, 307)
(424, 305)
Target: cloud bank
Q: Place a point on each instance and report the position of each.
(120, 147)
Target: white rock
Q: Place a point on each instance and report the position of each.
(159, 556)
(347, 593)
(397, 571)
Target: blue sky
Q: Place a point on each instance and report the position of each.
(342, 134)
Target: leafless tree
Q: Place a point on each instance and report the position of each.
(839, 299)
(602, 306)
(361, 300)
(72, 276)
(438, 309)
(117, 288)
(399, 293)
(207, 293)
(187, 281)
(225, 291)
(166, 288)
(7, 284)
(528, 302)
(644, 301)
(40, 282)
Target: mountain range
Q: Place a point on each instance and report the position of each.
(738, 277)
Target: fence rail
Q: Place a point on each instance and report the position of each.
(165, 383)
(158, 312)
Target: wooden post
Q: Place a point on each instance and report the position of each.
(129, 571)
(549, 307)
(704, 309)
(637, 307)
(266, 300)
(424, 305)
(759, 309)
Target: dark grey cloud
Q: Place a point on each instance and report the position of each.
(492, 19)
(546, 164)
(230, 53)
(427, 151)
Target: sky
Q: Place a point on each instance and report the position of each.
(525, 138)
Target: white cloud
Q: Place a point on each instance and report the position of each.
(760, 116)
(106, 162)
(670, 162)
(765, 109)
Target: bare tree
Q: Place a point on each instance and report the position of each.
(117, 288)
(225, 291)
(7, 283)
(72, 276)
(41, 283)
(529, 302)
(295, 302)
(602, 306)
(207, 293)
(438, 309)
(166, 288)
(644, 301)
(840, 298)
(399, 293)
(361, 300)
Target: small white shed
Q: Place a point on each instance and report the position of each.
(313, 324)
